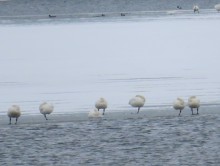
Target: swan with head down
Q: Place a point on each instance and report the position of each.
(46, 108)
(101, 104)
(217, 7)
(179, 104)
(14, 112)
(94, 114)
(194, 102)
(137, 101)
(196, 8)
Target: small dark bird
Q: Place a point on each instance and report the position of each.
(52, 16)
(122, 14)
(179, 7)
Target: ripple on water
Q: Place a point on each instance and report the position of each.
(157, 140)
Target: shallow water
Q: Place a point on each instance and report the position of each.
(117, 139)
(45, 7)
(31, 12)
(72, 65)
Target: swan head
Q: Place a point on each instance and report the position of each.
(180, 100)
(192, 98)
(179, 103)
(142, 97)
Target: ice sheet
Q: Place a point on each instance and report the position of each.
(72, 65)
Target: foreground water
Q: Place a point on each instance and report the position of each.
(123, 138)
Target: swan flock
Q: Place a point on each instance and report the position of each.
(137, 101)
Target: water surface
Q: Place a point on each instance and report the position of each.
(117, 139)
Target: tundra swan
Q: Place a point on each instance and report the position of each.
(194, 102)
(179, 104)
(14, 112)
(137, 101)
(217, 7)
(101, 104)
(172, 12)
(196, 8)
(46, 108)
(94, 114)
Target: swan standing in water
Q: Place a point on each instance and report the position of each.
(196, 8)
(179, 105)
(137, 101)
(46, 108)
(171, 12)
(217, 7)
(94, 114)
(193, 102)
(101, 104)
(14, 112)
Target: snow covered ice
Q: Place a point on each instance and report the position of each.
(71, 65)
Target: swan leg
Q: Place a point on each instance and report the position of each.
(103, 112)
(192, 111)
(16, 120)
(138, 110)
(180, 112)
(197, 111)
(45, 116)
(10, 120)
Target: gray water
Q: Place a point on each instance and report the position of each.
(123, 138)
(45, 7)
(32, 11)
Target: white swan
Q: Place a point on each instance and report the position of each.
(101, 104)
(137, 101)
(14, 112)
(193, 102)
(217, 7)
(196, 8)
(171, 12)
(46, 108)
(94, 114)
(179, 104)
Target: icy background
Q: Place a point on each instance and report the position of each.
(72, 65)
